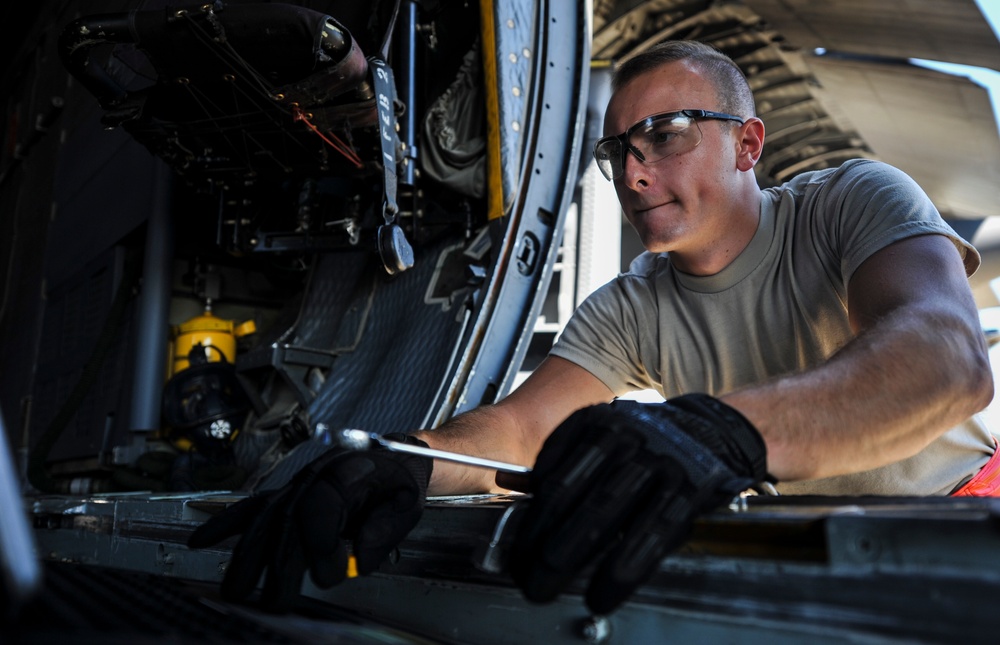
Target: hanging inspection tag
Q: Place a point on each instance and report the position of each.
(385, 94)
(393, 247)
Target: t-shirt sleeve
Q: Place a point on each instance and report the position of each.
(601, 337)
(879, 205)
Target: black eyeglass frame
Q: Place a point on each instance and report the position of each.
(628, 147)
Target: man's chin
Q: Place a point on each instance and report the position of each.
(655, 244)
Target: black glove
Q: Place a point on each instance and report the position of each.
(373, 498)
(621, 484)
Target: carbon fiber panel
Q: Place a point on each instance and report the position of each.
(336, 279)
(404, 343)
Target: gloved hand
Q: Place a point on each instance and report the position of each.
(373, 498)
(622, 484)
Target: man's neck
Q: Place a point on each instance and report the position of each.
(719, 252)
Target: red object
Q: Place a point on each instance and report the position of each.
(986, 483)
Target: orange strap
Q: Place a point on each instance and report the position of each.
(986, 483)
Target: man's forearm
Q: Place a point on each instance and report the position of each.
(514, 429)
(882, 398)
(484, 432)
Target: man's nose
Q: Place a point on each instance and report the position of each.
(635, 174)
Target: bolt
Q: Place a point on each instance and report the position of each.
(596, 629)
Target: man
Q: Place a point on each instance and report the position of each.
(821, 335)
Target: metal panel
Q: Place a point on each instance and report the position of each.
(767, 570)
(939, 129)
(944, 30)
(501, 329)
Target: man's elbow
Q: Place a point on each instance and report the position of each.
(974, 381)
(982, 388)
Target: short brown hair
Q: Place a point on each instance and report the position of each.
(731, 87)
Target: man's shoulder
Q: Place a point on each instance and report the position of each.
(861, 180)
(849, 171)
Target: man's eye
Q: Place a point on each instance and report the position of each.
(663, 134)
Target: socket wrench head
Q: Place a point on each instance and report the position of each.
(354, 439)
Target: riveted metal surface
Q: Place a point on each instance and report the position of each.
(515, 50)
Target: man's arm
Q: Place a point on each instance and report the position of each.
(514, 429)
(917, 366)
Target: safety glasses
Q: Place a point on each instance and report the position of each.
(654, 138)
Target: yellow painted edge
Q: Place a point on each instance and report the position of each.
(491, 81)
(352, 567)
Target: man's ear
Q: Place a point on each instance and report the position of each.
(751, 144)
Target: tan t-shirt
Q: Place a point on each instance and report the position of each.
(779, 307)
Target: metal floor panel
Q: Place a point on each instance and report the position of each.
(94, 605)
(770, 571)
